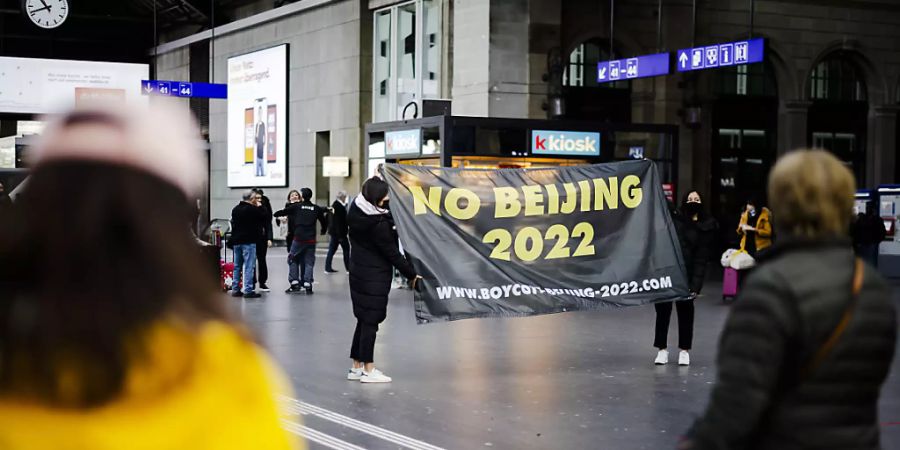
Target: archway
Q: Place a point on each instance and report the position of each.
(744, 138)
(585, 98)
(838, 116)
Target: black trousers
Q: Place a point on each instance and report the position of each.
(261, 267)
(332, 249)
(685, 311)
(363, 348)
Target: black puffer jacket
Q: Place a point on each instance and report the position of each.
(375, 250)
(789, 307)
(696, 239)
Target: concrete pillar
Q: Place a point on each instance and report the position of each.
(544, 33)
(471, 54)
(793, 118)
(881, 148)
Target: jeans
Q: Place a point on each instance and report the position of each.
(332, 249)
(301, 261)
(260, 167)
(869, 253)
(685, 309)
(244, 264)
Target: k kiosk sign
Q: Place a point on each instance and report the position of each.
(566, 143)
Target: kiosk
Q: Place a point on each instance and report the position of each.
(889, 250)
(496, 143)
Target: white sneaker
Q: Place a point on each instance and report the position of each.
(662, 358)
(684, 358)
(375, 376)
(354, 374)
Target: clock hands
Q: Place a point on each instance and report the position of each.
(46, 8)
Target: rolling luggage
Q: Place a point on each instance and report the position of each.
(730, 284)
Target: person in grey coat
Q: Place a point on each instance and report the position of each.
(811, 337)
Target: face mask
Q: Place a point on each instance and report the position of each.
(692, 208)
(386, 205)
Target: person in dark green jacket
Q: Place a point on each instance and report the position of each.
(807, 346)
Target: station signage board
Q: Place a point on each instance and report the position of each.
(568, 143)
(631, 68)
(403, 143)
(720, 55)
(183, 89)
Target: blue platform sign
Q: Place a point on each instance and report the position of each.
(183, 89)
(720, 55)
(631, 68)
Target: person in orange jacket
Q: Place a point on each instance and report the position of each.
(112, 334)
(756, 224)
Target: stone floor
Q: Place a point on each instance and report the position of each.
(572, 380)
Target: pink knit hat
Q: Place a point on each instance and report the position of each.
(162, 139)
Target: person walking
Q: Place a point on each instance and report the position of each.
(868, 231)
(247, 223)
(810, 340)
(262, 247)
(302, 255)
(373, 238)
(755, 229)
(696, 232)
(113, 334)
(337, 228)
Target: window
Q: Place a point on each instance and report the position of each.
(407, 57)
(754, 80)
(837, 80)
(581, 68)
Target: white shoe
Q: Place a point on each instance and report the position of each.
(354, 374)
(662, 358)
(684, 358)
(375, 376)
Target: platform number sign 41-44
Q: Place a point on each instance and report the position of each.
(47, 14)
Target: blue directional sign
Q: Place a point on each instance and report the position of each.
(631, 68)
(720, 55)
(183, 89)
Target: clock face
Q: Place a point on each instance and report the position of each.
(47, 13)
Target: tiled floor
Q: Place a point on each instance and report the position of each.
(582, 380)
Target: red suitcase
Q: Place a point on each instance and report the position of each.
(227, 270)
(730, 284)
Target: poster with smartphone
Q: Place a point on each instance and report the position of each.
(257, 118)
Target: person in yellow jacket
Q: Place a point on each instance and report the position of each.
(756, 224)
(112, 334)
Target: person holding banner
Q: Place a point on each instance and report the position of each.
(696, 232)
(810, 341)
(373, 238)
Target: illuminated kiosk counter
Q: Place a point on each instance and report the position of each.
(496, 143)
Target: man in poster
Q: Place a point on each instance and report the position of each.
(260, 144)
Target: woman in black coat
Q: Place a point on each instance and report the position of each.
(810, 340)
(373, 238)
(696, 232)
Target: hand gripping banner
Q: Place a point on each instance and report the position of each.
(521, 242)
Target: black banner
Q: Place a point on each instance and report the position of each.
(519, 242)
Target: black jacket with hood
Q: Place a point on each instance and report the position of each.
(374, 252)
(697, 238)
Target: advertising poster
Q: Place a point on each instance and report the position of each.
(257, 118)
(49, 86)
(523, 242)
